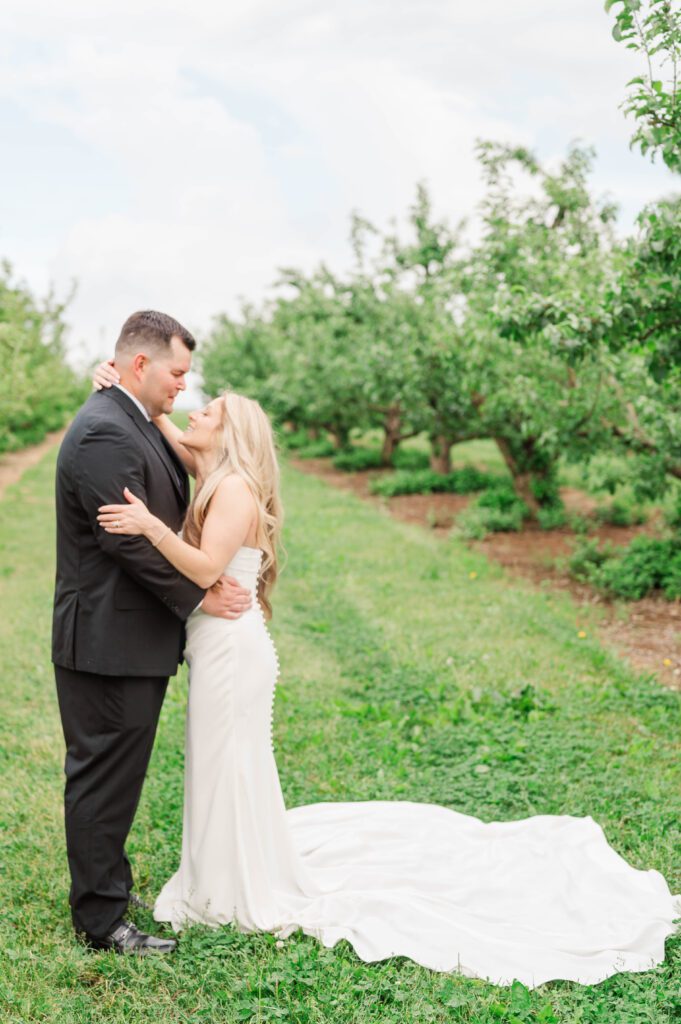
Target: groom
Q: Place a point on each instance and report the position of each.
(119, 614)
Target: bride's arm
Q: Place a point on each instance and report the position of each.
(106, 375)
(172, 434)
(230, 516)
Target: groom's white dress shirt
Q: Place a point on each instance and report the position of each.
(135, 400)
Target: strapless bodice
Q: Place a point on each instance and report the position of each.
(245, 566)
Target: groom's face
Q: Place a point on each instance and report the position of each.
(164, 376)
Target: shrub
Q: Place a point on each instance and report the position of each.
(358, 459)
(579, 523)
(671, 584)
(305, 447)
(294, 439)
(586, 559)
(621, 512)
(640, 568)
(632, 572)
(410, 458)
(501, 498)
(497, 510)
(546, 491)
(552, 518)
(425, 481)
(477, 521)
(672, 511)
(319, 449)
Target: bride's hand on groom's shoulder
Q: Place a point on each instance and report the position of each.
(105, 376)
(131, 520)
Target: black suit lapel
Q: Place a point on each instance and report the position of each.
(155, 438)
(170, 460)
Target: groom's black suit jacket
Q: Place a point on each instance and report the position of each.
(119, 607)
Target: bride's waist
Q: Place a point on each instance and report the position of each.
(252, 617)
(244, 577)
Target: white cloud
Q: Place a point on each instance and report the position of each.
(216, 141)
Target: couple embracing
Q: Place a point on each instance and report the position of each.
(146, 577)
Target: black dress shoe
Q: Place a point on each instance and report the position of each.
(129, 939)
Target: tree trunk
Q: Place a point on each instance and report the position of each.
(392, 422)
(313, 433)
(440, 461)
(340, 437)
(522, 479)
(522, 485)
(388, 449)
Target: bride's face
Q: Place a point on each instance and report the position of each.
(205, 427)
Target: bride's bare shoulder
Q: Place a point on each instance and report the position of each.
(234, 488)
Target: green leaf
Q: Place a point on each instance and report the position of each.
(520, 997)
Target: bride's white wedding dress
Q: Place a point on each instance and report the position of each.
(536, 899)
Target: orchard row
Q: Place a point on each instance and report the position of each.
(547, 333)
(38, 390)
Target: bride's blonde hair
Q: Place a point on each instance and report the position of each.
(245, 446)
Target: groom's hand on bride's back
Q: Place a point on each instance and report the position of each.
(227, 599)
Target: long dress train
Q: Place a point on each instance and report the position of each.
(537, 899)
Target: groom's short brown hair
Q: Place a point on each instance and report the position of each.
(152, 331)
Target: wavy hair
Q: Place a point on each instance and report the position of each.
(245, 446)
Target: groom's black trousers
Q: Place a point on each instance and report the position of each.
(109, 726)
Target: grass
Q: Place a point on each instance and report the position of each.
(412, 669)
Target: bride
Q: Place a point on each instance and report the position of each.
(538, 899)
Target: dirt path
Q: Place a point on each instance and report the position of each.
(14, 464)
(647, 633)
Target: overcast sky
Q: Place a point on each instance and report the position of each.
(172, 155)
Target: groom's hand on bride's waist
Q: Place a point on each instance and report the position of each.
(227, 599)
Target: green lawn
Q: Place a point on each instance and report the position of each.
(412, 669)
